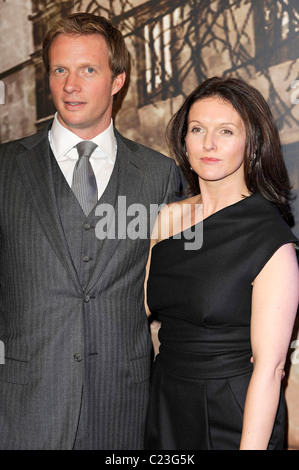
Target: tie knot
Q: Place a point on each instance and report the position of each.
(86, 148)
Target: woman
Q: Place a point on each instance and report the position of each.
(227, 309)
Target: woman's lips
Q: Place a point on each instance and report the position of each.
(210, 160)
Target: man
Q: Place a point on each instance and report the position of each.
(72, 318)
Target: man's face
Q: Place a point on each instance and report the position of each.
(81, 83)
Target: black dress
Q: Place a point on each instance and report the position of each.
(203, 299)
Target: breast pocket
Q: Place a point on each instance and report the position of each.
(15, 371)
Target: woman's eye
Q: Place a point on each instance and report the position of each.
(196, 130)
(227, 131)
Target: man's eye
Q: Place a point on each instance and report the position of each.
(60, 70)
(89, 69)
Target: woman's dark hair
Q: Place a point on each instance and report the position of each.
(264, 167)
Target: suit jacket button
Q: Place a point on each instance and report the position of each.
(86, 299)
(78, 357)
(87, 226)
(86, 258)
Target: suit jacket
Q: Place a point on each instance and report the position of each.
(45, 306)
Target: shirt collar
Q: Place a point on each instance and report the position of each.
(63, 140)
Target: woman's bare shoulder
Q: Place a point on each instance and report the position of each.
(174, 218)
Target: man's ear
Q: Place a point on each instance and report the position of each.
(118, 82)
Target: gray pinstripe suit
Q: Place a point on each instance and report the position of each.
(75, 332)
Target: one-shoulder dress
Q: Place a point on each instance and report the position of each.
(203, 299)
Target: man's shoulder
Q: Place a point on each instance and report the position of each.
(12, 144)
(18, 145)
(145, 155)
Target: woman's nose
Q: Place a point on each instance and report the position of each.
(209, 141)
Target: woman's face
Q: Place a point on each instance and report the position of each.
(215, 141)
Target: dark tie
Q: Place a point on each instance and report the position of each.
(84, 184)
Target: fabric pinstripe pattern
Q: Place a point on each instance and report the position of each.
(69, 324)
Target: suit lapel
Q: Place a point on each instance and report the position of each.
(36, 173)
(120, 194)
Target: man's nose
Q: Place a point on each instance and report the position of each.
(72, 83)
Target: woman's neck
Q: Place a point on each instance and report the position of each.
(217, 197)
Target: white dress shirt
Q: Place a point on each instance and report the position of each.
(102, 160)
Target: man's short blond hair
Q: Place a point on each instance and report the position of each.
(85, 24)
